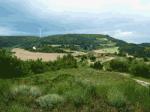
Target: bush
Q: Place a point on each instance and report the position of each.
(140, 69)
(119, 65)
(50, 101)
(92, 57)
(11, 66)
(83, 58)
(25, 90)
(97, 65)
(67, 61)
(115, 97)
(4, 92)
(38, 66)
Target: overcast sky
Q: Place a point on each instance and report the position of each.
(128, 20)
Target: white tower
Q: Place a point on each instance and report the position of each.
(40, 29)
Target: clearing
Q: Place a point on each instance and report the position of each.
(26, 55)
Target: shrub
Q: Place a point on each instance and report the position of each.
(115, 97)
(37, 66)
(92, 57)
(83, 58)
(11, 66)
(81, 94)
(77, 97)
(67, 61)
(25, 90)
(97, 65)
(140, 69)
(50, 101)
(119, 65)
(4, 92)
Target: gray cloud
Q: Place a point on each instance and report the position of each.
(17, 18)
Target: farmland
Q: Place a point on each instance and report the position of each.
(26, 55)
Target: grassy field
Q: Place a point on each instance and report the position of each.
(74, 90)
(107, 50)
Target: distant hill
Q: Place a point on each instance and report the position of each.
(17, 41)
(84, 42)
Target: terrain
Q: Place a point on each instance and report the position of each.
(26, 55)
(73, 73)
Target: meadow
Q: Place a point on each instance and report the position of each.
(74, 90)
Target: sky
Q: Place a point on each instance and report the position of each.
(127, 20)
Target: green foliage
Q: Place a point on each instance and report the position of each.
(50, 101)
(119, 65)
(18, 41)
(97, 65)
(37, 66)
(25, 90)
(137, 95)
(4, 93)
(83, 58)
(92, 58)
(72, 41)
(139, 68)
(47, 49)
(18, 108)
(11, 66)
(116, 97)
(67, 61)
(137, 50)
(102, 91)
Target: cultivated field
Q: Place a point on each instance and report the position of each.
(26, 55)
(107, 50)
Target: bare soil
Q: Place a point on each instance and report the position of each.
(26, 55)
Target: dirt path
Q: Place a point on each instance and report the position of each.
(141, 82)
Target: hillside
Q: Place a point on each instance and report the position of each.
(72, 73)
(75, 90)
(78, 42)
(83, 41)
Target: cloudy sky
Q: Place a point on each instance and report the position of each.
(128, 20)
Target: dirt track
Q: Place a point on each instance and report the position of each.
(26, 55)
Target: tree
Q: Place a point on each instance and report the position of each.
(140, 69)
(119, 65)
(97, 65)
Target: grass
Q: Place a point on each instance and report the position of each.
(116, 97)
(81, 89)
(50, 101)
(107, 50)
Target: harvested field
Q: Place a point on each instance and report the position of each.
(107, 50)
(26, 55)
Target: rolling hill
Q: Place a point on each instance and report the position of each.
(79, 42)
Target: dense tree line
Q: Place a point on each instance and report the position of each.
(74, 41)
(135, 67)
(132, 66)
(141, 50)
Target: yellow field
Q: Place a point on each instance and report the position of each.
(26, 55)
